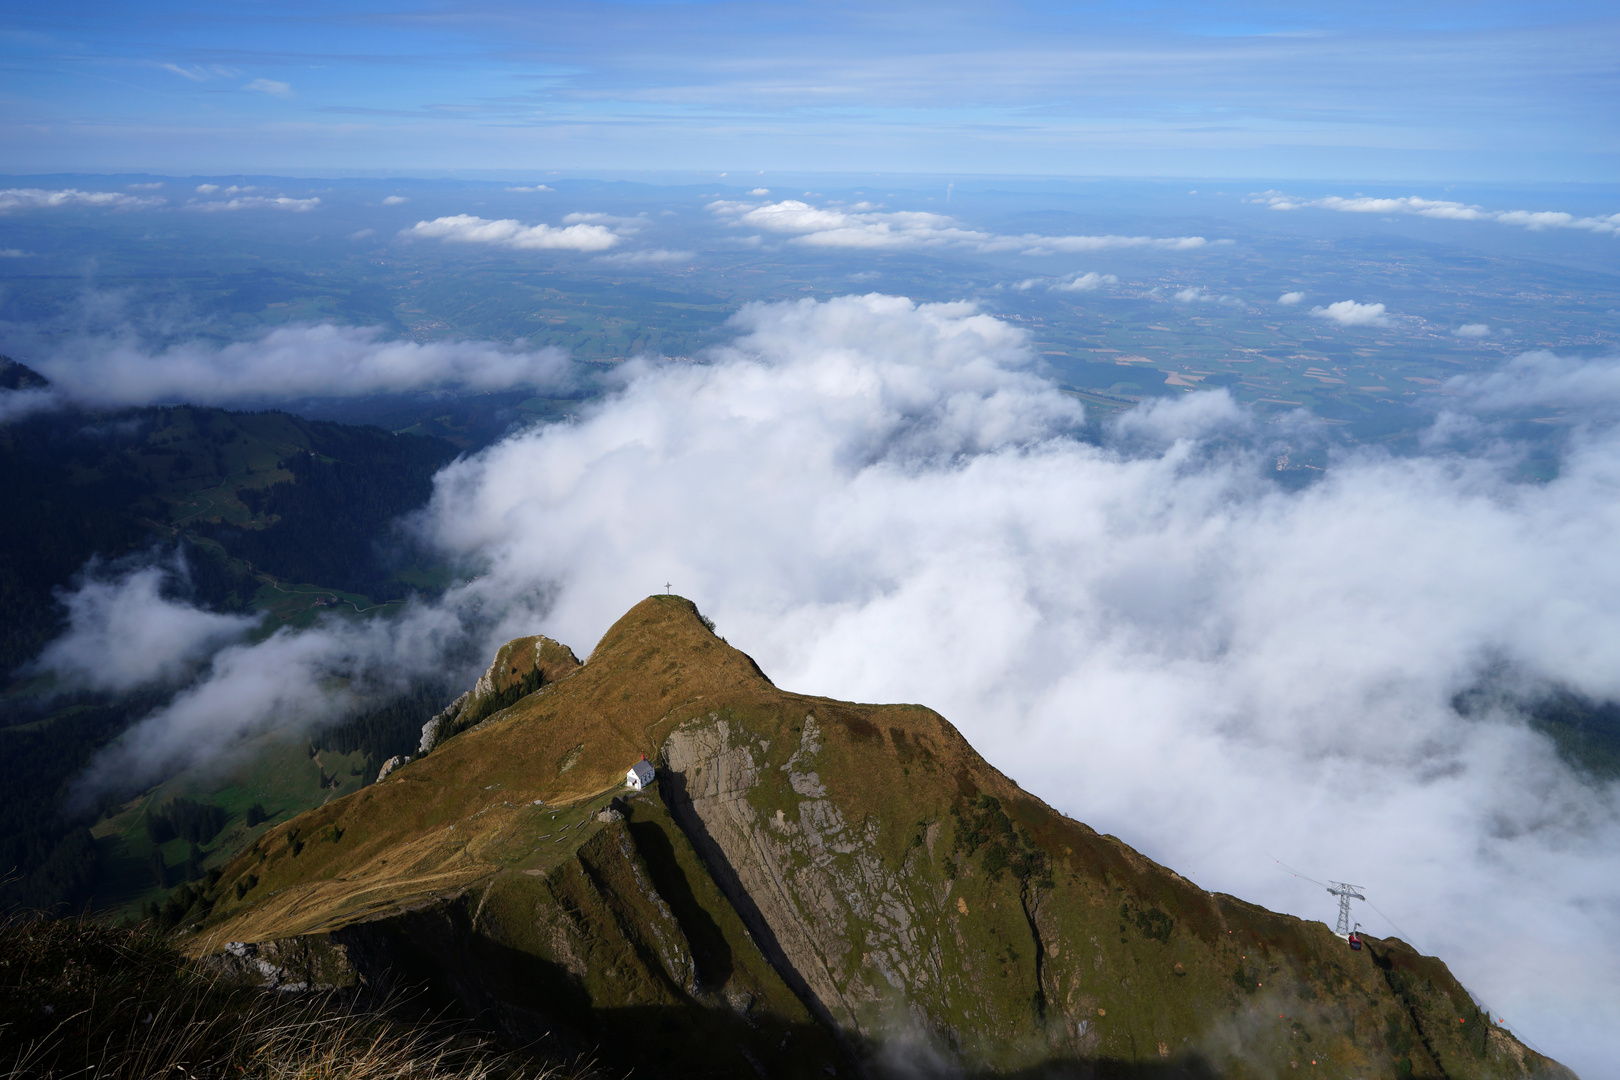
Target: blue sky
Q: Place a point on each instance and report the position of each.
(1455, 91)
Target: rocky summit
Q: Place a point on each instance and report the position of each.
(805, 887)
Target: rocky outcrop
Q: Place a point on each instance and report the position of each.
(441, 722)
(811, 885)
(291, 965)
(521, 667)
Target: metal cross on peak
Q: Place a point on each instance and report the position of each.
(667, 586)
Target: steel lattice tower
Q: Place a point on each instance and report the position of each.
(1345, 893)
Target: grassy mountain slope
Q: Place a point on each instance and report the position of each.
(813, 887)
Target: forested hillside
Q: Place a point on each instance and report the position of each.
(263, 493)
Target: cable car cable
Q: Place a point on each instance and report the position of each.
(1296, 873)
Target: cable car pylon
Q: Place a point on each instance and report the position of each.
(1345, 892)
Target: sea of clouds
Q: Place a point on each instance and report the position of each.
(885, 501)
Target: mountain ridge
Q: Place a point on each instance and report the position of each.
(811, 885)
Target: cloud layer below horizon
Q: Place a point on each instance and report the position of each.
(1447, 210)
(286, 363)
(880, 501)
(513, 234)
(865, 225)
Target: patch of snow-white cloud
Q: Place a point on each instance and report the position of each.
(43, 199)
(16, 404)
(865, 226)
(395, 200)
(1445, 209)
(124, 633)
(286, 363)
(1351, 313)
(294, 680)
(1075, 282)
(1590, 387)
(1289, 298)
(1473, 330)
(618, 223)
(1198, 294)
(534, 189)
(258, 202)
(513, 234)
(1087, 282)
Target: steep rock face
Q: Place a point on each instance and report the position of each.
(980, 924)
(812, 887)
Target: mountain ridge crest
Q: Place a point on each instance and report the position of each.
(810, 885)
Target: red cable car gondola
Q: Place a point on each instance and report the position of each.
(1355, 939)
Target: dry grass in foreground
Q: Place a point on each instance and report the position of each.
(81, 998)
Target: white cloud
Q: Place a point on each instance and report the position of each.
(1473, 330)
(259, 202)
(1197, 294)
(1447, 210)
(861, 226)
(293, 680)
(41, 199)
(1086, 282)
(395, 200)
(510, 233)
(759, 191)
(1350, 313)
(875, 501)
(647, 257)
(154, 186)
(1290, 298)
(361, 234)
(1588, 387)
(271, 87)
(619, 224)
(536, 188)
(15, 253)
(321, 360)
(207, 189)
(16, 404)
(124, 633)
